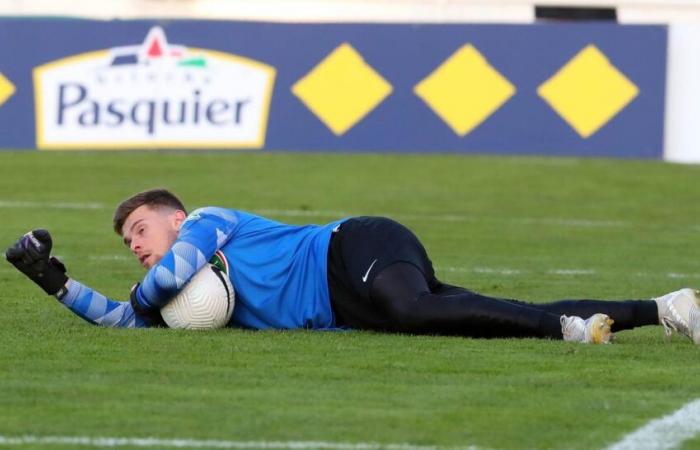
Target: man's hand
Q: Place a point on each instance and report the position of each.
(151, 315)
(31, 255)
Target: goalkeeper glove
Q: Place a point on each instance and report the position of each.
(31, 255)
(151, 315)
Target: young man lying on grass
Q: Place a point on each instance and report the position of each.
(366, 273)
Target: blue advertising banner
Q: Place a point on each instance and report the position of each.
(554, 88)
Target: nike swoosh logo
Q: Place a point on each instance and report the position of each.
(364, 279)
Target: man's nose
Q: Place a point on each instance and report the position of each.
(134, 245)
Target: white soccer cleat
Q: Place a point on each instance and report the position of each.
(680, 312)
(594, 330)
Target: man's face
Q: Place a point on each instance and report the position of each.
(150, 232)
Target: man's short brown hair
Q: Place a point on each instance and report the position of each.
(154, 198)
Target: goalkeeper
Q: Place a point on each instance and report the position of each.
(368, 273)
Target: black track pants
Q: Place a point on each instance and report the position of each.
(380, 278)
(412, 306)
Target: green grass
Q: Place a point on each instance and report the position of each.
(502, 226)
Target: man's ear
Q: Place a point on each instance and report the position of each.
(180, 217)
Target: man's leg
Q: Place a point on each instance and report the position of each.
(403, 294)
(381, 278)
(378, 276)
(627, 314)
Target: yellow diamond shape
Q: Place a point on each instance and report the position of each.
(464, 90)
(342, 89)
(588, 91)
(6, 89)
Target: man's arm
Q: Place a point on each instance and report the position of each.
(100, 310)
(204, 232)
(31, 255)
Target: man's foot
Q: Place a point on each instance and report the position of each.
(680, 312)
(594, 330)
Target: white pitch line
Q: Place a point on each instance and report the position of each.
(193, 443)
(571, 272)
(664, 433)
(560, 272)
(111, 258)
(671, 275)
(431, 217)
(498, 271)
(301, 212)
(51, 205)
(427, 217)
(682, 275)
(583, 223)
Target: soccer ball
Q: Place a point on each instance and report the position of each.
(205, 302)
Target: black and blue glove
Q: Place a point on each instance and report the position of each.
(151, 315)
(31, 255)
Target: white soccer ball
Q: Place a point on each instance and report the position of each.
(205, 302)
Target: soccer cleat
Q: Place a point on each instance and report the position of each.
(680, 312)
(594, 330)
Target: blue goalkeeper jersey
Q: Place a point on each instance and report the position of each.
(278, 272)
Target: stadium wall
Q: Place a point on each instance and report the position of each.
(525, 117)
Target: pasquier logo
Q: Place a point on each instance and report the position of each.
(152, 95)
